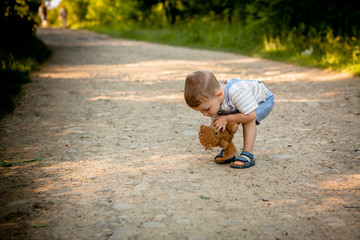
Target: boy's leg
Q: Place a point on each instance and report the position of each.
(249, 134)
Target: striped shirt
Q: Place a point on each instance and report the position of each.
(242, 95)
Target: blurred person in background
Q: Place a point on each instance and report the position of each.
(63, 16)
(42, 14)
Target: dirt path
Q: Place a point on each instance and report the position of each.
(116, 156)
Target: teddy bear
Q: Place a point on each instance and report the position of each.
(210, 137)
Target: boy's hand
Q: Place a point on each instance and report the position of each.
(220, 123)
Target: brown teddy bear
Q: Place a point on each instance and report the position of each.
(210, 137)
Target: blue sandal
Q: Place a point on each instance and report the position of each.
(223, 161)
(244, 160)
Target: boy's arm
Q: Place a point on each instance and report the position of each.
(221, 122)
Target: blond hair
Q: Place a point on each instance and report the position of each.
(200, 86)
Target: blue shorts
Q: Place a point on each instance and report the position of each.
(264, 107)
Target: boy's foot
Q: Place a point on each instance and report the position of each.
(220, 160)
(245, 160)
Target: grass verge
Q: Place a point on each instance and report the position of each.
(321, 50)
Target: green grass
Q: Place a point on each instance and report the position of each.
(18, 58)
(329, 52)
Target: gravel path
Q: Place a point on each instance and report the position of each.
(106, 148)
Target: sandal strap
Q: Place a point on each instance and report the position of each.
(244, 160)
(220, 154)
(249, 155)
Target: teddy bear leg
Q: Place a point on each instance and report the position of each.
(230, 151)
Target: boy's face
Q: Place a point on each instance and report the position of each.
(211, 106)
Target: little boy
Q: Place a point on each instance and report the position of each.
(242, 101)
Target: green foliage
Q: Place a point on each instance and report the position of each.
(314, 49)
(322, 33)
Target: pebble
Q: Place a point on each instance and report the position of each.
(123, 217)
(194, 176)
(230, 206)
(125, 232)
(123, 207)
(175, 217)
(72, 151)
(100, 224)
(233, 223)
(75, 194)
(177, 185)
(154, 225)
(196, 237)
(313, 104)
(92, 177)
(160, 217)
(142, 187)
(16, 203)
(105, 203)
(104, 189)
(183, 221)
(190, 133)
(285, 156)
(334, 222)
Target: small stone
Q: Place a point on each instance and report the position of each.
(230, 206)
(175, 217)
(105, 203)
(105, 189)
(265, 199)
(194, 176)
(285, 156)
(334, 222)
(16, 203)
(154, 225)
(123, 207)
(190, 133)
(313, 104)
(196, 237)
(183, 221)
(142, 187)
(160, 217)
(72, 151)
(233, 223)
(92, 177)
(126, 232)
(100, 224)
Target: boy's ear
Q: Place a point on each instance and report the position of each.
(219, 94)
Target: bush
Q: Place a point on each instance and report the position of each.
(21, 52)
